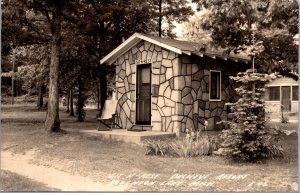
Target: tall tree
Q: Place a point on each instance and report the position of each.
(169, 11)
(71, 104)
(54, 13)
(52, 122)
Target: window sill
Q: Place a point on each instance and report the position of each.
(216, 100)
(142, 125)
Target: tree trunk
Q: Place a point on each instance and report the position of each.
(80, 102)
(40, 96)
(253, 85)
(13, 79)
(160, 19)
(98, 96)
(103, 88)
(100, 68)
(68, 102)
(52, 123)
(71, 103)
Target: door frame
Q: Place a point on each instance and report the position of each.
(136, 87)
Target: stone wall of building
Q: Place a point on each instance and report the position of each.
(195, 106)
(164, 65)
(180, 89)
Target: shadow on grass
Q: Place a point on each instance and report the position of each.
(14, 182)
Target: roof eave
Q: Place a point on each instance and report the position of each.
(236, 59)
(108, 57)
(130, 42)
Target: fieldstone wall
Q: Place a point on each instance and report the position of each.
(164, 65)
(195, 107)
(180, 89)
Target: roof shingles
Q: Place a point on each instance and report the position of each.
(178, 46)
(194, 47)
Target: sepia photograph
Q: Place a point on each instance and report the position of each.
(149, 95)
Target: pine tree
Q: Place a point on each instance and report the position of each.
(248, 138)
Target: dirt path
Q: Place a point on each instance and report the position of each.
(19, 164)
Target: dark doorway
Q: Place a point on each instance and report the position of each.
(143, 94)
(286, 98)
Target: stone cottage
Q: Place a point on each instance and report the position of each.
(170, 85)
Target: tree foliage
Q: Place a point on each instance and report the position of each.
(239, 24)
(166, 12)
(34, 69)
(97, 35)
(248, 138)
(21, 27)
(194, 32)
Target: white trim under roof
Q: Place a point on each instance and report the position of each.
(214, 56)
(131, 41)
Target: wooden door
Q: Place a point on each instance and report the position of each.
(286, 98)
(143, 94)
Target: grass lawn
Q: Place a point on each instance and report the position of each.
(13, 182)
(106, 161)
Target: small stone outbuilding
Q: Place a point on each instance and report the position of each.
(170, 85)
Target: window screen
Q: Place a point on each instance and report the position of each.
(295, 93)
(215, 85)
(274, 93)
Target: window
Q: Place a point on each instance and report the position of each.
(273, 93)
(215, 85)
(295, 93)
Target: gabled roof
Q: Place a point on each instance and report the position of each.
(177, 46)
(283, 81)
